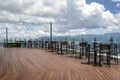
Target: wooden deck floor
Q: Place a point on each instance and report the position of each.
(37, 64)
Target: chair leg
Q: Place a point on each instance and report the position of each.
(117, 59)
(80, 55)
(89, 58)
(100, 60)
(66, 49)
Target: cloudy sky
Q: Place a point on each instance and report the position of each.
(31, 18)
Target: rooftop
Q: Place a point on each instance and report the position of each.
(38, 64)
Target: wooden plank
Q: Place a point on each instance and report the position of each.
(38, 64)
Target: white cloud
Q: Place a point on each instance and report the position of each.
(118, 5)
(116, 0)
(30, 18)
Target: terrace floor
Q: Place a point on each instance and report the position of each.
(38, 64)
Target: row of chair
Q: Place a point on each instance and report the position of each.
(100, 53)
(95, 52)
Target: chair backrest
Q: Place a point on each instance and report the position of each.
(104, 47)
(72, 45)
(83, 44)
(64, 43)
(113, 48)
(96, 45)
(30, 41)
(41, 43)
(54, 42)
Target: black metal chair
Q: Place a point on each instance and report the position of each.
(47, 45)
(54, 45)
(41, 44)
(114, 52)
(84, 49)
(72, 47)
(93, 50)
(104, 52)
(63, 46)
(30, 44)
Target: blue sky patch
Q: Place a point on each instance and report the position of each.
(108, 4)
